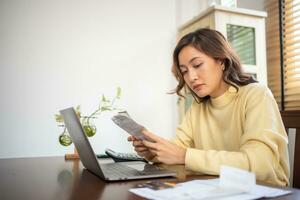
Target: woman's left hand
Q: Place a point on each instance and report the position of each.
(164, 151)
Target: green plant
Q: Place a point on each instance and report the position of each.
(105, 104)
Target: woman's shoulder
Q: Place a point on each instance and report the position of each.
(254, 88)
(255, 91)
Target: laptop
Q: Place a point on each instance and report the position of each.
(108, 171)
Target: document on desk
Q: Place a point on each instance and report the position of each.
(233, 184)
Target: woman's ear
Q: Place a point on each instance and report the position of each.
(221, 62)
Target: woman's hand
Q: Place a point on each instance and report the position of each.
(140, 148)
(162, 150)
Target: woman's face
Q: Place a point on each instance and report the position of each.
(202, 73)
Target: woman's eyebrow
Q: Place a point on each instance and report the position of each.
(194, 58)
(190, 62)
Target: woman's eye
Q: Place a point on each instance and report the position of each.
(183, 72)
(198, 65)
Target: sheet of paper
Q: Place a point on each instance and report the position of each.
(214, 188)
(236, 178)
(124, 121)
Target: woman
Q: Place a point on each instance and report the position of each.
(233, 120)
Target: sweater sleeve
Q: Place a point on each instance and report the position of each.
(263, 146)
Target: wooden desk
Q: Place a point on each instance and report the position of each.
(54, 178)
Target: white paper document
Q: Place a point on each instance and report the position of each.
(233, 184)
(124, 121)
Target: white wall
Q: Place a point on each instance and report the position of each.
(255, 5)
(60, 53)
(188, 9)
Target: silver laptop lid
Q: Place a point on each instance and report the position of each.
(81, 142)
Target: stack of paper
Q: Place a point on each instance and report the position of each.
(233, 184)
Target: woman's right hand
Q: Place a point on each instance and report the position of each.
(140, 148)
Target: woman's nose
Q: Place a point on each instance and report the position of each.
(193, 75)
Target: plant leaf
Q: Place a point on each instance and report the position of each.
(105, 108)
(119, 92)
(78, 113)
(59, 118)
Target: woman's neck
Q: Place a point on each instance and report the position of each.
(223, 87)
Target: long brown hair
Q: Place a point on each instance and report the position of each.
(213, 44)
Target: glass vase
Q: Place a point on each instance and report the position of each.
(89, 128)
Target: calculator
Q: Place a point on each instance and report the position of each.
(123, 157)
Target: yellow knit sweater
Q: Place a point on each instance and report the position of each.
(241, 129)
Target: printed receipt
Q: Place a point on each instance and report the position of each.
(238, 179)
(124, 121)
(233, 184)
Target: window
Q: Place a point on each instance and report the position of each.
(273, 49)
(283, 52)
(242, 39)
(291, 53)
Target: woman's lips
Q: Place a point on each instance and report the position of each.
(197, 87)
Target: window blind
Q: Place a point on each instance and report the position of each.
(273, 49)
(291, 53)
(242, 39)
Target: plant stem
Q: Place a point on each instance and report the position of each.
(64, 132)
(99, 109)
(89, 117)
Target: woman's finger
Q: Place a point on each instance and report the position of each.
(137, 143)
(131, 138)
(153, 151)
(150, 145)
(146, 151)
(140, 149)
(151, 136)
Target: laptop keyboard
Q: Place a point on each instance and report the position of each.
(116, 169)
